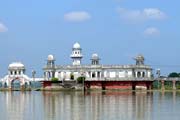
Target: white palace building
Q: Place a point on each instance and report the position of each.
(95, 70)
(92, 72)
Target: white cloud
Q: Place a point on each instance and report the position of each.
(141, 15)
(77, 16)
(151, 31)
(154, 13)
(3, 28)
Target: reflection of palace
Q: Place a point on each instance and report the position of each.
(98, 106)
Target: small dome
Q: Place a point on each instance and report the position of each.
(76, 46)
(95, 56)
(16, 65)
(140, 57)
(50, 57)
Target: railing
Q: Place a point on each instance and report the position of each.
(119, 79)
(97, 66)
(168, 79)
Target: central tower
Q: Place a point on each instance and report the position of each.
(76, 54)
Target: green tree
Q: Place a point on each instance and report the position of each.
(174, 74)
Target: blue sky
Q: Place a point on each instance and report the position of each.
(117, 30)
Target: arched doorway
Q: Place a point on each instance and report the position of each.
(138, 74)
(5, 85)
(16, 84)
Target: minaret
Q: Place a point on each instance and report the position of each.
(76, 54)
(50, 70)
(95, 59)
(50, 61)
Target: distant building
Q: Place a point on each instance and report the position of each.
(16, 76)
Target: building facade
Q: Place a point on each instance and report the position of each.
(96, 71)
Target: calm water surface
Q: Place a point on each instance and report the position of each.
(36, 105)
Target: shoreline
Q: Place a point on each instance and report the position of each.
(81, 90)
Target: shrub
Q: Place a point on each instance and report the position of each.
(54, 79)
(71, 76)
(80, 79)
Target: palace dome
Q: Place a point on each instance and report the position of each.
(16, 65)
(76, 46)
(95, 56)
(50, 57)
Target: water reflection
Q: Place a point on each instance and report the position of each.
(89, 106)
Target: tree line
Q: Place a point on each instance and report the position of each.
(174, 74)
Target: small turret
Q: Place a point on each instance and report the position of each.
(50, 61)
(50, 72)
(139, 60)
(95, 59)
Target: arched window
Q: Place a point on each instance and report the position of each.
(138, 74)
(93, 75)
(143, 74)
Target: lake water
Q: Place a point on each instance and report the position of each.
(36, 105)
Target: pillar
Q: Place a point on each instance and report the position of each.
(117, 74)
(100, 74)
(162, 85)
(141, 74)
(91, 75)
(47, 75)
(136, 74)
(96, 74)
(174, 84)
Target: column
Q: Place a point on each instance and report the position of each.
(174, 84)
(47, 76)
(96, 74)
(141, 74)
(146, 74)
(162, 85)
(136, 74)
(59, 75)
(117, 74)
(100, 74)
(91, 74)
(108, 74)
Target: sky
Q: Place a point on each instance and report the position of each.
(117, 30)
